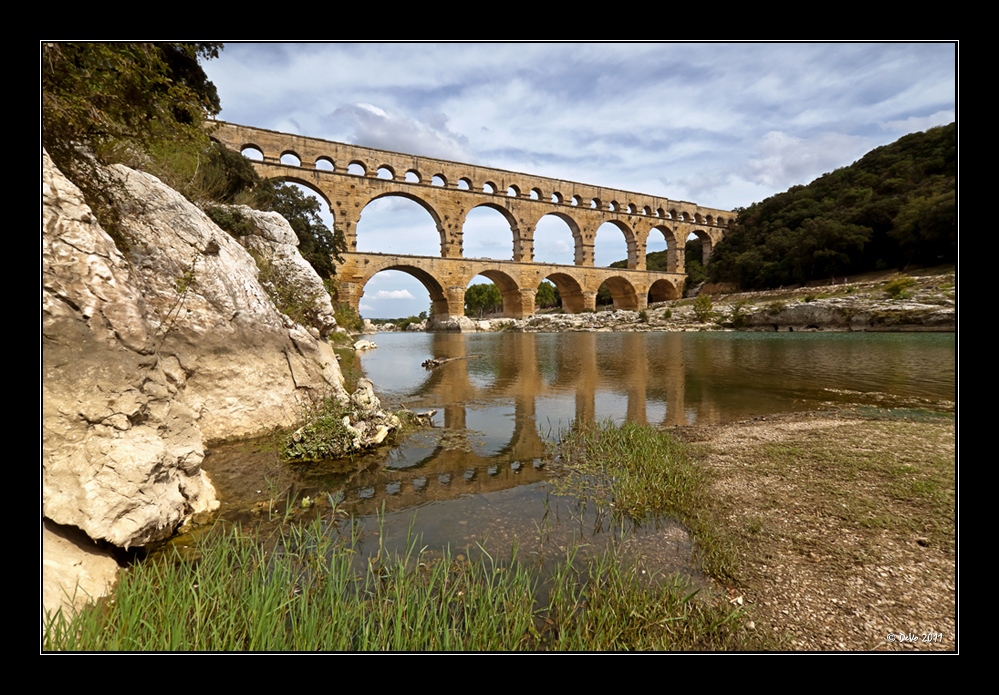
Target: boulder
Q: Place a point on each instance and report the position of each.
(147, 356)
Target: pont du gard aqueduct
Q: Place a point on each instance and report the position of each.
(450, 190)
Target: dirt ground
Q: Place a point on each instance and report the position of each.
(844, 526)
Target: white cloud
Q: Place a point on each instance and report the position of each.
(372, 126)
(393, 294)
(784, 160)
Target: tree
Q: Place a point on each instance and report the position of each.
(104, 102)
(99, 96)
(547, 295)
(479, 298)
(317, 243)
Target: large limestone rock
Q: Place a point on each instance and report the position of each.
(275, 243)
(145, 357)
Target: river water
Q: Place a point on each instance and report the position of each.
(480, 476)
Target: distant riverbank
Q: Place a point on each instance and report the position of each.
(918, 301)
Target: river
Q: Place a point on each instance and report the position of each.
(480, 475)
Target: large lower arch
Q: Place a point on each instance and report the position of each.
(663, 291)
(438, 294)
(622, 292)
(573, 299)
(513, 305)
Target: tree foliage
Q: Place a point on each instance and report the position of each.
(482, 298)
(99, 96)
(547, 296)
(317, 243)
(896, 205)
(102, 102)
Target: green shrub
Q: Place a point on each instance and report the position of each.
(229, 219)
(703, 308)
(643, 316)
(348, 318)
(898, 285)
(738, 316)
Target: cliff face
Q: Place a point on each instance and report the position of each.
(146, 356)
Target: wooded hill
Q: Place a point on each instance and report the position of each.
(894, 207)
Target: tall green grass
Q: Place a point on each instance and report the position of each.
(307, 594)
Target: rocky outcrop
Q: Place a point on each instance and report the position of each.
(147, 356)
(274, 244)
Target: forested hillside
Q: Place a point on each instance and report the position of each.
(896, 206)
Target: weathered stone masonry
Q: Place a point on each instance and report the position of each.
(448, 191)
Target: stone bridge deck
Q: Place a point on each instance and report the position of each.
(447, 279)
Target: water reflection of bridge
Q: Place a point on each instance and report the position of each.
(492, 437)
(349, 177)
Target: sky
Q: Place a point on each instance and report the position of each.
(721, 125)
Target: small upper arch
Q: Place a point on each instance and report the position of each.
(291, 158)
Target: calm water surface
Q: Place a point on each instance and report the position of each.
(479, 476)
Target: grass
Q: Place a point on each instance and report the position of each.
(308, 592)
(642, 472)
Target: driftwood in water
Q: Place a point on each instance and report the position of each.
(434, 363)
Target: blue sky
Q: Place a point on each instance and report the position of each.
(722, 125)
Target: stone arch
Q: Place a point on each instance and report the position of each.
(356, 164)
(291, 155)
(569, 289)
(324, 163)
(663, 291)
(507, 215)
(434, 215)
(311, 185)
(574, 230)
(438, 294)
(629, 240)
(439, 180)
(622, 293)
(388, 170)
(413, 176)
(465, 184)
(671, 246)
(252, 149)
(509, 290)
(706, 244)
(513, 191)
